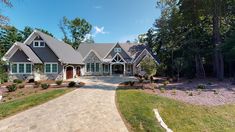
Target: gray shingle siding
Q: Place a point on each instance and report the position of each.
(44, 53)
(19, 56)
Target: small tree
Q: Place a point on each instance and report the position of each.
(178, 64)
(149, 66)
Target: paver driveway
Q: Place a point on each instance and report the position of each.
(91, 108)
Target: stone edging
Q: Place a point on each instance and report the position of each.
(162, 123)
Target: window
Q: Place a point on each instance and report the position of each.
(21, 68)
(54, 68)
(48, 68)
(14, 68)
(117, 50)
(106, 68)
(51, 68)
(97, 67)
(38, 43)
(42, 44)
(28, 68)
(88, 67)
(92, 67)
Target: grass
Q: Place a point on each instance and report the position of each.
(137, 109)
(12, 107)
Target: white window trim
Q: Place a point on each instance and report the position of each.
(39, 45)
(17, 70)
(51, 68)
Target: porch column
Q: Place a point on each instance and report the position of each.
(124, 69)
(64, 74)
(110, 70)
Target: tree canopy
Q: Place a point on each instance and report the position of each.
(75, 30)
(194, 31)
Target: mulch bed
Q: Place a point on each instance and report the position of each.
(29, 89)
(215, 92)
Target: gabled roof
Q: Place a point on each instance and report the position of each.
(26, 49)
(101, 48)
(63, 51)
(132, 49)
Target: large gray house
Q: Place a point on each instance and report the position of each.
(43, 57)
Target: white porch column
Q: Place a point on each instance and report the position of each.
(74, 71)
(124, 69)
(64, 72)
(110, 70)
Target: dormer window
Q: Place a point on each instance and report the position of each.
(38, 43)
(117, 50)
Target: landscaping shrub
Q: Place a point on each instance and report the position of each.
(31, 81)
(216, 91)
(45, 86)
(132, 83)
(201, 86)
(146, 77)
(11, 88)
(136, 75)
(72, 84)
(58, 82)
(36, 84)
(18, 81)
(3, 77)
(165, 83)
(140, 78)
(21, 86)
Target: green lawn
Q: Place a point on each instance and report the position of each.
(12, 107)
(137, 109)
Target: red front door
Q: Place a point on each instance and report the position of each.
(69, 72)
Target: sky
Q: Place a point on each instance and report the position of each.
(112, 20)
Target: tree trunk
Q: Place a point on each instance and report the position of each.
(219, 62)
(200, 71)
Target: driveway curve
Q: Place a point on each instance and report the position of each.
(87, 109)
